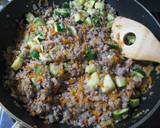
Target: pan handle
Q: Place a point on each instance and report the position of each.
(17, 125)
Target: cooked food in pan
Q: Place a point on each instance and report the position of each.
(66, 68)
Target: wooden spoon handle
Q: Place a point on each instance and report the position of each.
(146, 46)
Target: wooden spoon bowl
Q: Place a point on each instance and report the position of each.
(145, 47)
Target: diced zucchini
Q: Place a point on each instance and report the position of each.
(120, 81)
(81, 1)
(108, 84)
(139, 72)
(54, 70)
(78, 18)
(99, 5)
(109, 24)
(88, 21)
(90, 68)
(38, 21)
(118, 114)
(91, 11)
(64, 12)
(72, 30)
(93, 81)
(134, 103)
(90, 55)
(29, 17)
(89, 4)
(39, 69)
(110, 17)
(17, 64)
(59, 27)
(34, 54)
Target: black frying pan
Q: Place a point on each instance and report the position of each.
(9, 19)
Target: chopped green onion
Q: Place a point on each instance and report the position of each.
(134, 103)
(64, 12)
(29, 17)
(118, 114)
(120, 81)
(35, 54)
(139, 72)
(91, 68)
(108, 84)
(17, 64)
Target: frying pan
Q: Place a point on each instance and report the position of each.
(9, 20)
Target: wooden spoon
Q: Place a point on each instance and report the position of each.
(145, 47)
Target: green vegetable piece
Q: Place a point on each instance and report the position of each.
(39, 69)
(99, 5)
(129, 38)
(108, 84)
(91, 11)
(35, 54)
(64, 12)
(81, 1)
(120, 81)
(54, 70)
(93, 81)
(29, 17)
(110, 17)
(90, 68)
(113, 46)
(109, 24)
(95, 21)
(38, 21)
(17, 64)
(59, 27)
(90, 55)
(138, 72)
(134, 103)
(89, 4)
(88, 21)
(118, 114)
(72, 30)
(65, 5)
(40, 36)
(78, 18)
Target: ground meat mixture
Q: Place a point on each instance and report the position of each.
(66, 67)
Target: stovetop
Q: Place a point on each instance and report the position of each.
(154, 7)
